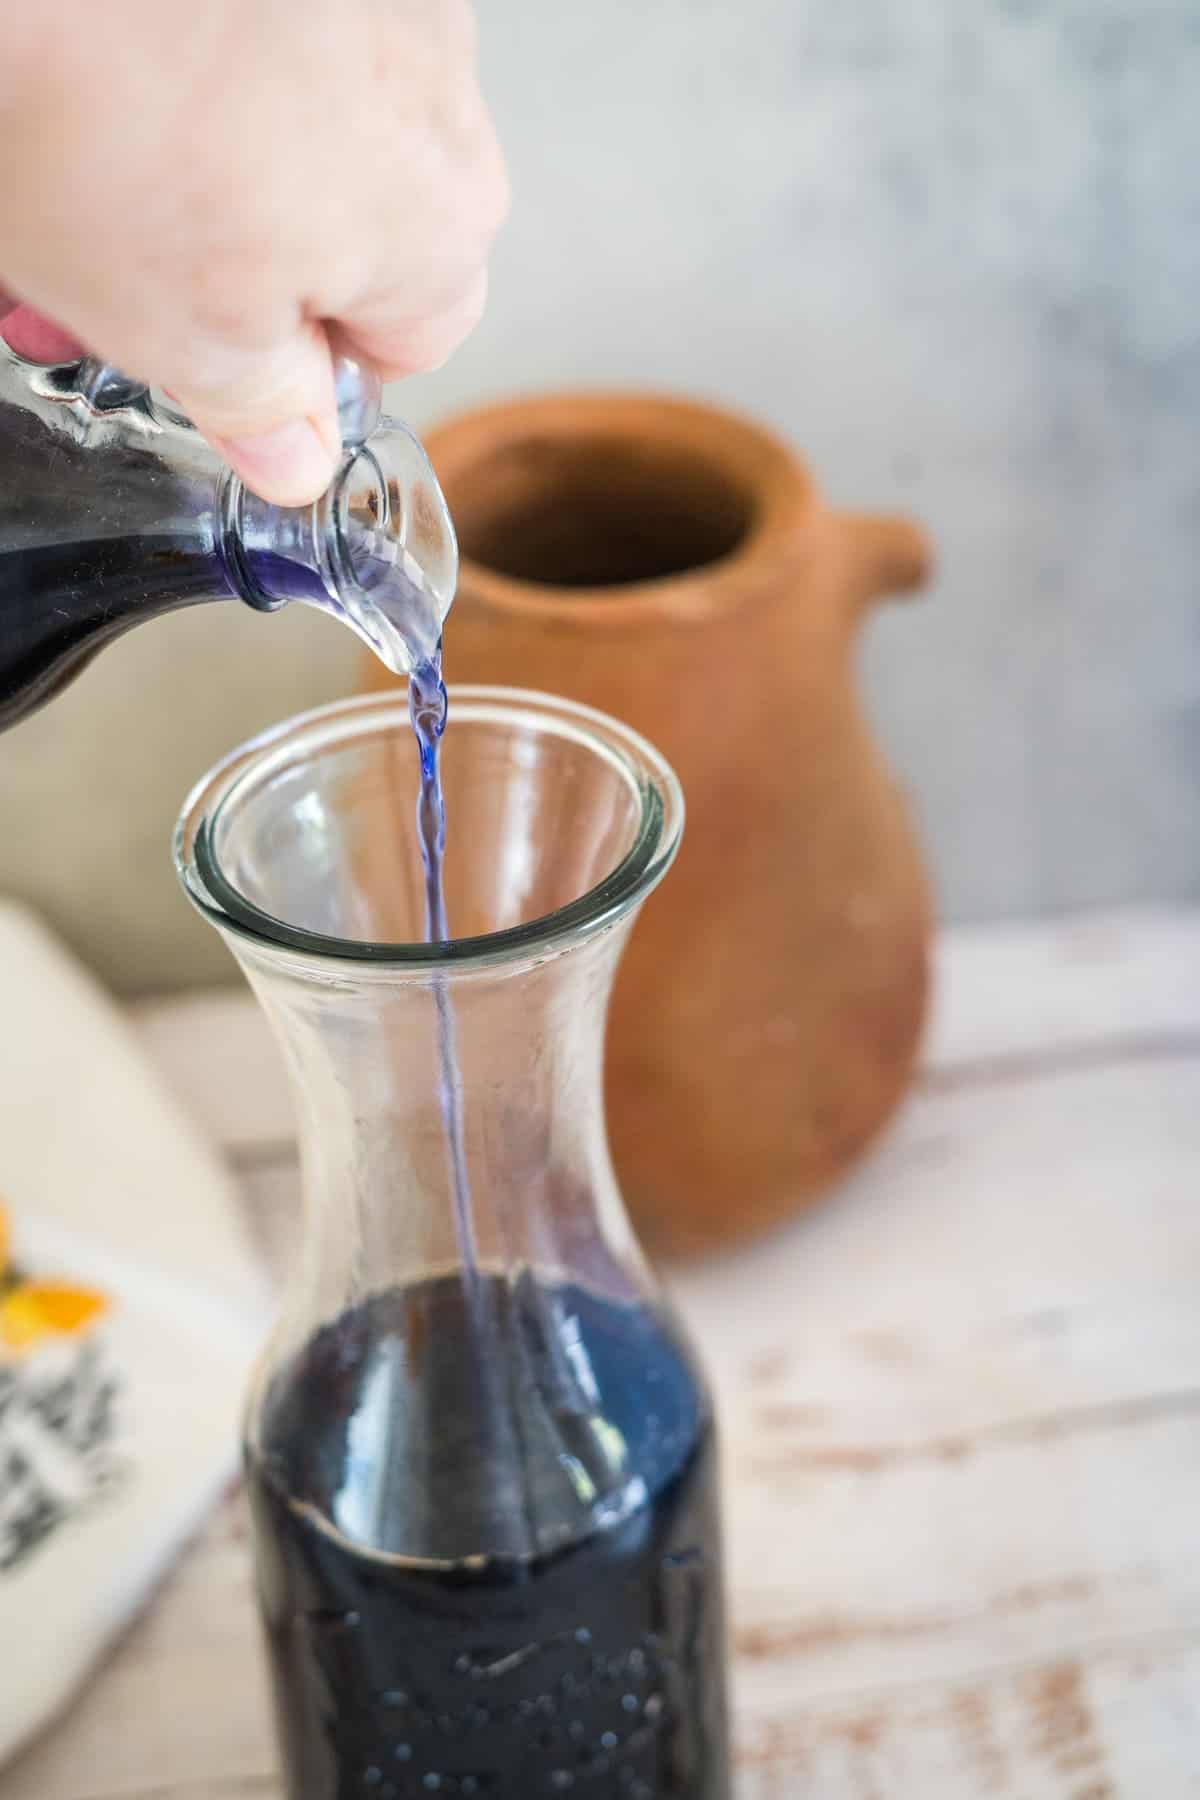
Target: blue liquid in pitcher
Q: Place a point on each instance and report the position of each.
(405, 1662)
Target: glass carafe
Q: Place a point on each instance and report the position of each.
(479, 1451)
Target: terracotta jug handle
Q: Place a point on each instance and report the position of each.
(888, 554)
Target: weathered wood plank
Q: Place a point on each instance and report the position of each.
(1120, 1722)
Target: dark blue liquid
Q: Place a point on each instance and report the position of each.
(590, 1665)
(428, 708)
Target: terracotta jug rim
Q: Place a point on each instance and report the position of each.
(759, 471)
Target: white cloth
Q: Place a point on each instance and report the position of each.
(116, 1441)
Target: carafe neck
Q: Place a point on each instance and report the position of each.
(388, 1204)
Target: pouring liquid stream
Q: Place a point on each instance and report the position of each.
(427, 708)
(399, 617)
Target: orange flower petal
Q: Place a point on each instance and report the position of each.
(42, 1309)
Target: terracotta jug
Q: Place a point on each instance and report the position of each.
(673, 564)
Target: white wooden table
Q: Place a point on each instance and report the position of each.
(961, 1407)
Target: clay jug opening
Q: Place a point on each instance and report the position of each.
(573, 510)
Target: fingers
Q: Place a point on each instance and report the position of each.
(400, 346)
(272, 417)
(428, 287)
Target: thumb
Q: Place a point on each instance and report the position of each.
(272, 416)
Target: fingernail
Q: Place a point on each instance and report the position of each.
(290, 465)
(37, 339)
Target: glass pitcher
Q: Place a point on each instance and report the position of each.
(479, 1452)
(114, 510)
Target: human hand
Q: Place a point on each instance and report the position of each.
(215, 197)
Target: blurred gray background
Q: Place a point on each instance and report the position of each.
(952, 249)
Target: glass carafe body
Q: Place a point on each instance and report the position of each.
(479, 1450)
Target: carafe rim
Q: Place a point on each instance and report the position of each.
(239, 774)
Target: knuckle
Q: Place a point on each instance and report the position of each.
(233, 303)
